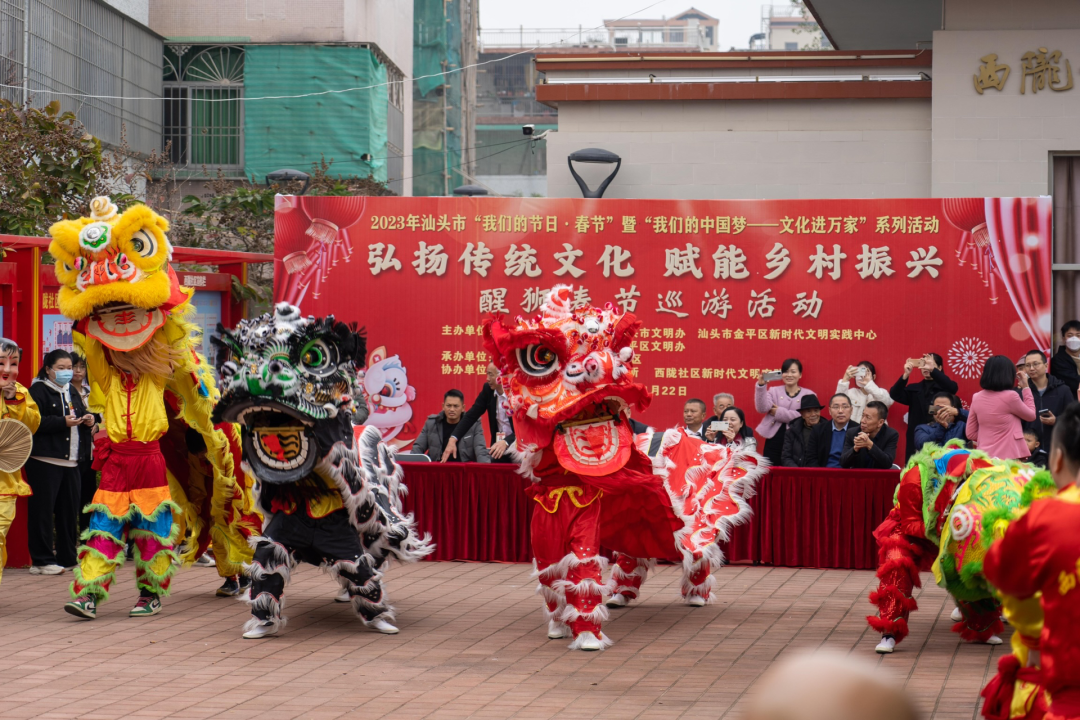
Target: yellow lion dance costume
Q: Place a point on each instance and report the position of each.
(167, 473)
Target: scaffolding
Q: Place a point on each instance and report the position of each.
(444, 99)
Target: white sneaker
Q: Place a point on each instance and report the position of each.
(260, 631)
(695, 601)
(993, 640)
(205, 560)
(617, 600)
(956, 615)
(556, 630)
(343, 597)
(588, 641)
(46, 570)
(380, 625)
(887, 645)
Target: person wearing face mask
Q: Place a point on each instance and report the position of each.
(919, 396)
(1065, 365)
(52, 470)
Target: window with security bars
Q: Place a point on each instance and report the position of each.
(203, 123)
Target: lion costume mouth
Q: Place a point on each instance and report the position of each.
(124, 327)
(597, 440)
(278, 440)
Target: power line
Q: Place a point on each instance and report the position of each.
(331, 92)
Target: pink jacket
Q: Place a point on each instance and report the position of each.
(787, 408)
(994, 422)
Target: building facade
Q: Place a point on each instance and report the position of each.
(954, 98)
(220, 54)
(87, 54)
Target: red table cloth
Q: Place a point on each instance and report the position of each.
(803, 517)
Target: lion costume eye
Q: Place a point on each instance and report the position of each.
(318, 357)
(144, 243)
(537, 360)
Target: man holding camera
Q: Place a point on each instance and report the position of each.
(872, 446)
(919, 396)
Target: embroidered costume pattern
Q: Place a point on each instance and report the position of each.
(568, 374)
(129, 309)
(331, 497)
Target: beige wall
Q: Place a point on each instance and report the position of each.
(998, 144)
(1010, 15)
(256, 20)
(749, 149)
(387, 23)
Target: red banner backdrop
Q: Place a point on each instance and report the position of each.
(726, 289)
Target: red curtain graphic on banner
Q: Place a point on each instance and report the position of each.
(726, 290)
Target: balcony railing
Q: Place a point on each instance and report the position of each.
(678, 37)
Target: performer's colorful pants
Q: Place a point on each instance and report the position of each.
(330, 542)
(566, 548)
(901, 557)
(630, 572)
(133, 501)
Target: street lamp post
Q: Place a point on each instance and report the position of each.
(594, 155)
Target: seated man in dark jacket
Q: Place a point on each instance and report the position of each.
(439, 428)
(827, 438)
(489, 401)
(797, 437)
(871, 446)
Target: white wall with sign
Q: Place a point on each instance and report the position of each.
(997, 143)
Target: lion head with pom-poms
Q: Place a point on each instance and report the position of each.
(114, 272)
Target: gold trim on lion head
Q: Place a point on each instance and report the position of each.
(111, 257)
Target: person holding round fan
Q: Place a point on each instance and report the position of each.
(16, 406)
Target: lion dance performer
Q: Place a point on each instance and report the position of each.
(332, 497)
(569, 378)
(935, 524)
(129, 309)
(1034, 566)
(16, 404)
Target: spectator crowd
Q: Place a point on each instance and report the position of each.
(1012, 416)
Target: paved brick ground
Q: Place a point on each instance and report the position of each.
(472, 645)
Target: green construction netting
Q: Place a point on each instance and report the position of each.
(297, 132)
(437, 152)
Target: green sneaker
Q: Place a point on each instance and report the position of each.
(82, 607)
(145, 607)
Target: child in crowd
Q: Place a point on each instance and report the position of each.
(1038, 456)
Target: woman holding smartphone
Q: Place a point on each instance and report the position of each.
(865, 390)
(52, 470)
(996, 415)
(733, 430)
(780, 405)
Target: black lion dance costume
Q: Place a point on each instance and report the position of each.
(330, 499)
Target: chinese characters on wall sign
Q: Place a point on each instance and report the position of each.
(1042, 70)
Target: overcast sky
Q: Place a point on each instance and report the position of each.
(739, 19)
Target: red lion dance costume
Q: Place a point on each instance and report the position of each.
(569, 377)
